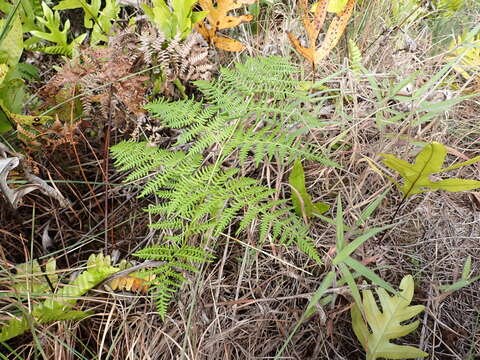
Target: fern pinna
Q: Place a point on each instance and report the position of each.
(59, 306)
(252, 113)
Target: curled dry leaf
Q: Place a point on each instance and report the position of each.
(218, 19)
(14, 196)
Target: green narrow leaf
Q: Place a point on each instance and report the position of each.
(355, 244)
(454, 185)
(339, 225)
(369, 274)
(462, 164)
(324, 286)
(368, 211)
(303, 205)
(467, 267)
(352, 285)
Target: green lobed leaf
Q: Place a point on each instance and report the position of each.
(91, 10)
(386, 324)
(13, 327)
(30, 278)
(429, 161)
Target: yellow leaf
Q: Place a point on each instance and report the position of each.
(335, 31)
(217, 19)
(228, 44)
(312, 28)
(334, 6)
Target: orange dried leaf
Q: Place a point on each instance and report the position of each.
(312, 28)
(335, 31)
(228, 44)
(218, 19)
(131, 283)
(307, 53)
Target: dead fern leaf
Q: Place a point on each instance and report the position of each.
(335, 31)
(219, 20)
(313, 26)
(132, 283)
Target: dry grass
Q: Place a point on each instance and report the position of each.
(245, 304)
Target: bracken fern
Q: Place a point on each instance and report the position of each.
(256, 112)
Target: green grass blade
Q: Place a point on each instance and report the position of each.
(348, 277)
(369, 274)
(368, 211)
(350, 248)
(339, 225)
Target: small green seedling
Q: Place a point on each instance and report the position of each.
(429, 161)
(345, 262)
(385, 326)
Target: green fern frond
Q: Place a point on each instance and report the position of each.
(13, 327)
(59, 305)
(174, 116)
(168, 277)
(272, 76)
(98, 269)
(265, 143)
(53, 50)
(255, 107)
(254, 111)
(355, 57)
(60, 313)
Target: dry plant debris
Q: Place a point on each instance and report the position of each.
(15, 196)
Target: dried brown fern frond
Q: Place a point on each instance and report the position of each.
(186, 60)
(106, 80)
(194, 59)
(104, 83)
